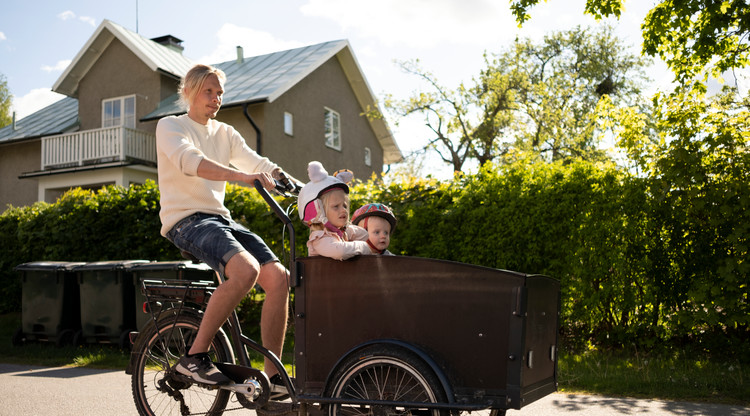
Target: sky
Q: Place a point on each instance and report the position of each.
(39, 39)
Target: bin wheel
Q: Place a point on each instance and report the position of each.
(78, 338)
(64, 337)
(385, 372)
(18, 337)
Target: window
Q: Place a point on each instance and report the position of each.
(288, 124)
(119, 112)
(368, 157)
(333, 129)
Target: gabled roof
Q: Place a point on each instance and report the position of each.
(157, 57)
(266, 77)
(58, 117)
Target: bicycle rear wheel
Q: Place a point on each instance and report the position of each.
(157, 350)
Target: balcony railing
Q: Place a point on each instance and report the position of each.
(92, 147)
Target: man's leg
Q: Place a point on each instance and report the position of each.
(275, 312)
(241, 274)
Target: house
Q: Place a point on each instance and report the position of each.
(292, 106)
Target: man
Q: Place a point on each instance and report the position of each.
(195, 154)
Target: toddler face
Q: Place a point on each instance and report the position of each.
(379, 231)
(337, 208)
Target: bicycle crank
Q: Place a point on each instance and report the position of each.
(250, 385)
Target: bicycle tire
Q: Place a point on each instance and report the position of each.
(385, 372)
(150, 370)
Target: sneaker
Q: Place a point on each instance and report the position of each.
(200, 368)
(278, 388)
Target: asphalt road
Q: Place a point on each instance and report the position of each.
(31, 390)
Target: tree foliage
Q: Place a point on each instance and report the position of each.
(5, 102)
(568, 73)
(694, 37)
(537, 98)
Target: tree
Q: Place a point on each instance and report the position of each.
(694, 37)
(5, 102)
(568, 73)
(452, 115)
(537, 98)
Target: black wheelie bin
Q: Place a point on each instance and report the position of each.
(107, 296)
(50, 302)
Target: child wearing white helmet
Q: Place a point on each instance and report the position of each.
(323, 205)
(379, 221)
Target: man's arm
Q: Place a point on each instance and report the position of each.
(213, 171)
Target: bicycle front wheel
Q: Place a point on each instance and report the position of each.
(158, 348)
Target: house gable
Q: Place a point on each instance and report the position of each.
(118, 72)
(157, 57)
(325, 88)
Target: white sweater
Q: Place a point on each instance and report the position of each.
(181, 145)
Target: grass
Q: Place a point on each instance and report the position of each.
(679, 376)
(47, 354)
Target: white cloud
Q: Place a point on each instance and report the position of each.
(2, 36)
(418, 23)
(59, 66)
(253, 42)
(34, 101)
(66, 15)
(89, 20)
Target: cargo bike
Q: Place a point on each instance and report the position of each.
(374, 335)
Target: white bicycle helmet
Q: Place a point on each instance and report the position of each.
(309, 205)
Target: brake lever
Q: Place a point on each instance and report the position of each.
(287, 185)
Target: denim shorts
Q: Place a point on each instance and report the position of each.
(214, 239)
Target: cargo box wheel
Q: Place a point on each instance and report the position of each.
(388, 373)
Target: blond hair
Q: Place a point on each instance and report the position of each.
(193, 81)
(324, 199)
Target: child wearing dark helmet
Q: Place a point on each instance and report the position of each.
(323, 205)
(379, 221)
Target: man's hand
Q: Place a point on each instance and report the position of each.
(265, 178)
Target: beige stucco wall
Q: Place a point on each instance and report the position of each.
(118, 73)
(16, 159)
(306, 101)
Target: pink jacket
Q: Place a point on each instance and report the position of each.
(329, 244)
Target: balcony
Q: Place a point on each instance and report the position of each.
(100, 146)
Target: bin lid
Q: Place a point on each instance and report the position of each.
(110, 265)
(170, 265)
(61, 266)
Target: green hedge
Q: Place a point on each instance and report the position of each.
(625, 253)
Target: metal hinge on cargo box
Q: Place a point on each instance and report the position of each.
(519, 301)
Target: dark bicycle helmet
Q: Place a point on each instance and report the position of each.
(376, 209)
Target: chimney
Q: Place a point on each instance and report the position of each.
(14, 121)
(240, 55)
(170, 42)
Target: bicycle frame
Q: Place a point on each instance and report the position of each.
(198, 293)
